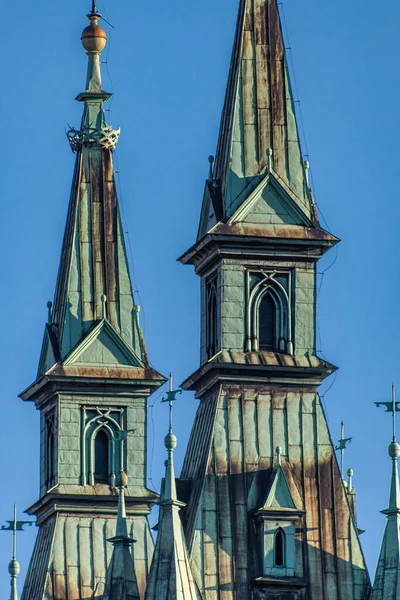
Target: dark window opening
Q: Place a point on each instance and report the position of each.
(212, 321)
(101, 474)
(279, 548)
(50, 459)
(267, 324)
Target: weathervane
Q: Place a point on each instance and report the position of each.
(342, 447)
(392, 407)
(121, 437)
(171, 397)
(14, 566)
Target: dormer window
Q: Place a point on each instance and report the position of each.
(277, 520)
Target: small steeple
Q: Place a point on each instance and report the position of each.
(121, 582)
(387, 576)
(171, 576)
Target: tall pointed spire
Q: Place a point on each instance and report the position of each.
(93, 382)
(259, 131)
(94, 262)
(387, 576)
(121, 582)
(171, 576)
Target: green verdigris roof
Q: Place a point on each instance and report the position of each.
(258, 117)
(93, 279)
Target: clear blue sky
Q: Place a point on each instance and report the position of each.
(168, 63)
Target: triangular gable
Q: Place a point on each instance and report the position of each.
(279, 495)
(103, 346)
(271, 202)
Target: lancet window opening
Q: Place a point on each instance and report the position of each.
(50, 450)
(279, 549)
(270, 317)
(101, 448)
(212, 317)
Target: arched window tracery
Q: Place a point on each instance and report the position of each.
(50, 462)
(212, 318)
(102, 449)
(270, 317)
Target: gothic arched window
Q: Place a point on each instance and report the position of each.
(267, 323)
(279, 549)
(212, 320)
(269, 317)
(50, 458)
(101, 457)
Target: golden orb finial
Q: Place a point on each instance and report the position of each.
(94, 38)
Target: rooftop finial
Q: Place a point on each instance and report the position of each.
(342, 447)
(350, 474)
(14, 566)
(394, 453)
(269, 159)
(94, 39)
(392, 407)
(279, 455)
(211, 168)
(49, 313)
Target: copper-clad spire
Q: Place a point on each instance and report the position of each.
(387, 576)
(171, 575)
(121, 582)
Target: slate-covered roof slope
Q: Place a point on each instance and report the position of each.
(94, 261)
(387, 576)
(230, 462)
(258, 115)
(171, 576)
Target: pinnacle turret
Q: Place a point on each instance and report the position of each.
(387, 576)
(121, 582)
(171, 576)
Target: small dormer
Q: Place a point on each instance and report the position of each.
(278, 520)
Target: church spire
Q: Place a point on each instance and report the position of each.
(93, 278)
(121, 582)
(258, 131)
(387, 576)
(171, 575)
